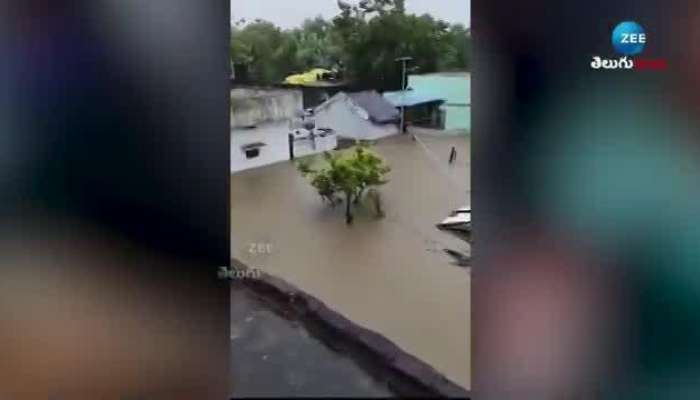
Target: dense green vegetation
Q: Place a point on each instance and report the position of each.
(362, 42)
(351, 174)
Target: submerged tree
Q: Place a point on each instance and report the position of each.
(348, 175)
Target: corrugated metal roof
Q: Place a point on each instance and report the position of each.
(408, 98)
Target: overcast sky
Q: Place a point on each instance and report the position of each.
(291, 13)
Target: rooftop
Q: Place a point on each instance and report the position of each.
(409, 98)
(377, 107)
(458, 74)
(316, 77)
(318, 84)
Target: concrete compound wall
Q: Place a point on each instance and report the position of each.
(276, 149)
(265, 115)
(251, 107)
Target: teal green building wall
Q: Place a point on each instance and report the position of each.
(455, 88)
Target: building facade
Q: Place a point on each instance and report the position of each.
(262, 120)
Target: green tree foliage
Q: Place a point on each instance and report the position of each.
(456, 56)
(265, 49)
(363, 40)
(315, 46)
(346, 174)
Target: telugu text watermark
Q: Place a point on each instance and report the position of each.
(237, 273)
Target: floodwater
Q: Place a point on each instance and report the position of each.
(390, 275)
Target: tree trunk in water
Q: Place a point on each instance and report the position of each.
(360, 193)
(348, 204)
(377, 201)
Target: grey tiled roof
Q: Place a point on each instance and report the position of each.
(378, 108)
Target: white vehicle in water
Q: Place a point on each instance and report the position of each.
(458, 222)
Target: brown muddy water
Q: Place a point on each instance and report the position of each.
(390, 275)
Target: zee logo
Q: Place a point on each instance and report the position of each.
(629, 38)
(634, 38)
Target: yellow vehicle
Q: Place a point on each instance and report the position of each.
(308, 77)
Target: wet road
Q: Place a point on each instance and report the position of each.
(277, 357)
(389, 275)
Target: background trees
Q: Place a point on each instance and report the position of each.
(362, 41)
(266, 50)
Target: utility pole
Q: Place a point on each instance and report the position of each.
(403, 60)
